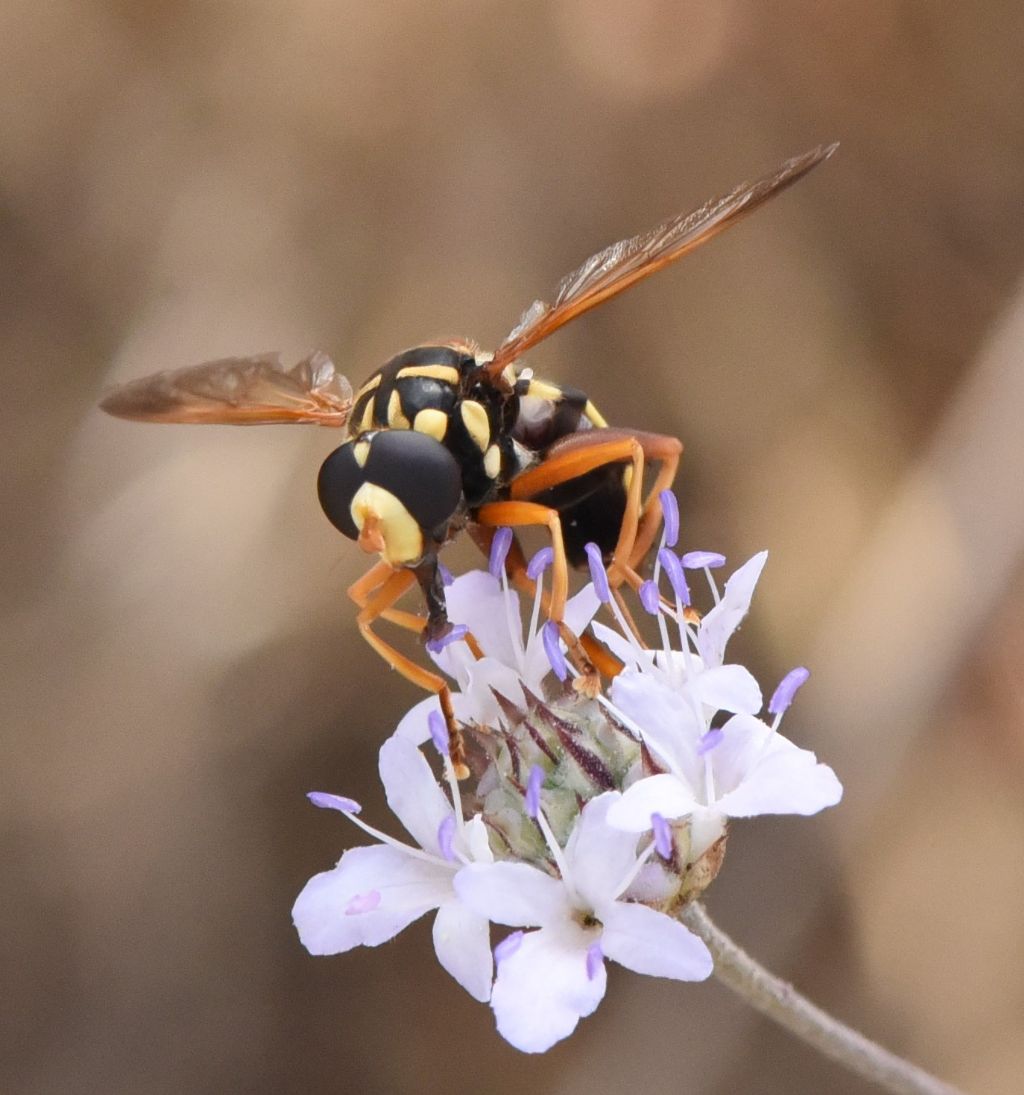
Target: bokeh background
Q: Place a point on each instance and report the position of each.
(181, 181)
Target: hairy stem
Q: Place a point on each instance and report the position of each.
(780, 1001)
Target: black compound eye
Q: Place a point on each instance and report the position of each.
(400, 475)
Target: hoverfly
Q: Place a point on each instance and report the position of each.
(445, 437)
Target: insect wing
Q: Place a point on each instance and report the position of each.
(238, 391)
(618, 267)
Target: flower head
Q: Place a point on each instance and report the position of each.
(594, 820)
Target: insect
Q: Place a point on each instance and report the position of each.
(445, 437)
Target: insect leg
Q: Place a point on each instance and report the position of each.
(377, 602)
(583, 452)
(525, 514)
(665, 452)
(363, 589)
(515, 566)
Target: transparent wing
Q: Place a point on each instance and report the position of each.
(238, 391)
(618, 267)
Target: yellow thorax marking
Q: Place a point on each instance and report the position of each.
(396, 419)
(448, 373)
(432, 422)
(477, 425)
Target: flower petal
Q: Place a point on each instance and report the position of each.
(729, 688)
(650, 942)
(477, 843)
(761, 772)
(413, 726)
(513, 893)
(407, 887)
(543, 988)
(663, 794)
(477, 600)
(599, 857)
(718, 625)
(669, 725)
(462, 941)
(632, 657)
(412, 791)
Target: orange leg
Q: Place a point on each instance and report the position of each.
(376, 592)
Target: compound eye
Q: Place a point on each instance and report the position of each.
(403, 485)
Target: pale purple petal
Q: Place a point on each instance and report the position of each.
(412, 791)
(580, 609)
(543, 989)
(729, 688)
(631, 657)
(669, 725)
(598, 857)
(414, 726)
(477, 600)
(513, 893)
(652, 943)
(663, 794)
(760, 772)
(462, 941)
(408, 888)
(718, 625)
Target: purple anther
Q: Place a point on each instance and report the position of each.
(539, 563)
(446, 836)
(533, 785)
(508, 946)
(363, 903)
(709, 741)
(698, 560)
(676, 575)
(598, 575)
(788, 687)
(670, 515)
(435, 646)
(650, 598)
(499, 551)
(662, 836)
(438, 732)
(327, 801)
(553, 649)
(595, 960)
(446, 575)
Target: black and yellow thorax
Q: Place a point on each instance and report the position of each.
(493, 430)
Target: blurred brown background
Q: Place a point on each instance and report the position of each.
(181, 181)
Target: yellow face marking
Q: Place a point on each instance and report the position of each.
(595, 416)
(474, 418)
(543, 390)
(361, 452)
(447, 373)
(403, 541)
(492, 462)
(431, 421)
(396, 419)
(367, 420)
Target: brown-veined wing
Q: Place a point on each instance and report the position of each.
(238, 391)
(623, 264)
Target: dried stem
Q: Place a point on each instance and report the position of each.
(780, 1001)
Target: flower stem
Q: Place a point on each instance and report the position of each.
(780, 1001)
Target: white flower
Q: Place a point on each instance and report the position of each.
(376, 891)
(491, 611)
(551, 978)
(669, 697)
